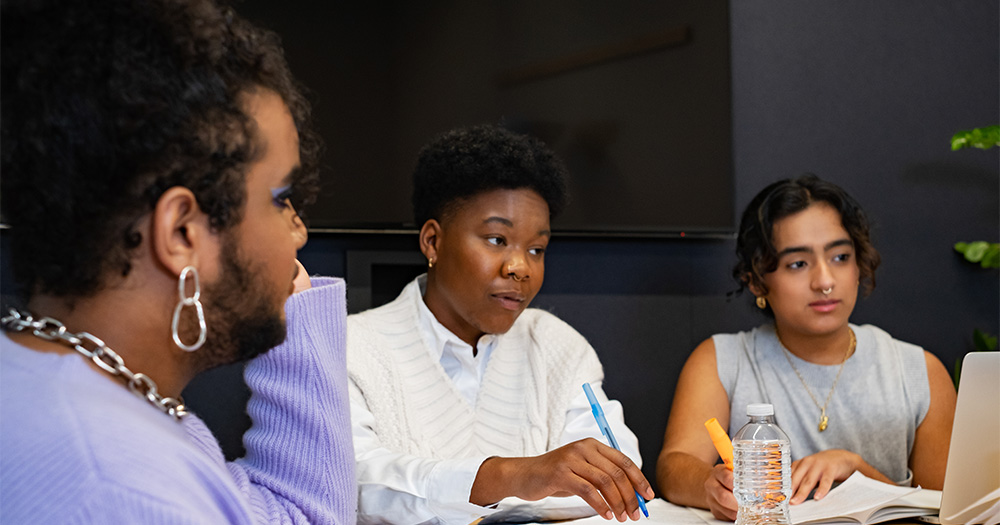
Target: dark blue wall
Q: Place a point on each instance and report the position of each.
(863, 93)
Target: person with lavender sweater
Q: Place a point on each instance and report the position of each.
(78, 448)
(155, 155)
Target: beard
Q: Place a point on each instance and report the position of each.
(240, 313)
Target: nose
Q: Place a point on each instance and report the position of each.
(299, 233)
(517, 268)
(823, 278)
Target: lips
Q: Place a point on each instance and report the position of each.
(509, 300)
(825, 305)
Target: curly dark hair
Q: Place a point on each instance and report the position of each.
(468, 161)
(108, 104)
(755, 249)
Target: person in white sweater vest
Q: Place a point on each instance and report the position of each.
(464, 402)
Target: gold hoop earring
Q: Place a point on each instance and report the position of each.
(761, 302)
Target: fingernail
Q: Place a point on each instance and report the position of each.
(608, 515)
(635, 515)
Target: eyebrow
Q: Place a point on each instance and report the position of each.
(805, 249)
(292, 175)
(510, 224)
(506, 222)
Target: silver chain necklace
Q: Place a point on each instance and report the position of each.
(52, 330)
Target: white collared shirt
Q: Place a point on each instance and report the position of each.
(464, 369)
(418, 490)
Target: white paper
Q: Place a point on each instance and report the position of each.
(859, 497)
(661, 512)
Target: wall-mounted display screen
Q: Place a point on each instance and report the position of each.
(633, 95)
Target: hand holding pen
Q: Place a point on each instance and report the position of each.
(605, 478)
(602, 476)
(602, 423)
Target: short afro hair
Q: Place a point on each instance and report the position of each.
(469, 161)
(108, 104)
(754, 245)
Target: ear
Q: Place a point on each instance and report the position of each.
(430, 237)
(755, 287)
(180, 230)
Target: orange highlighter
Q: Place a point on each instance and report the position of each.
(721, 441)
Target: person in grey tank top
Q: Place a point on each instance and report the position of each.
(850, 397)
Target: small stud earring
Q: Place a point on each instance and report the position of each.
(761, 302)
(430, 262)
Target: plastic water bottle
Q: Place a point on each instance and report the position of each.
(762, 480)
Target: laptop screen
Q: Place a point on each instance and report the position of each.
(973, 470)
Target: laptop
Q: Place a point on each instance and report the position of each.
(972, 477)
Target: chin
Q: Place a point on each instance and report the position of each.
(501, 327)
(828, 326)
(242, 340)
(257, 337)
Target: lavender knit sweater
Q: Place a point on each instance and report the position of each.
(78, 447)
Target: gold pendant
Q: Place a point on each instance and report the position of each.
(822, 422)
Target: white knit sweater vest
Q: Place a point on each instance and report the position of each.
(533, 372)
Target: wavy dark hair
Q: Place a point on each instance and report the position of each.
(755, 249)
(108, 104)
(468, 161)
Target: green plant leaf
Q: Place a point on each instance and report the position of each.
(983, 341)
(974, 251)
(985, 253)
(982, 138)
(991, 259)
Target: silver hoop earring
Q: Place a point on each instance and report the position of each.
(195, 301)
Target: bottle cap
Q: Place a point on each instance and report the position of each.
(760, 409)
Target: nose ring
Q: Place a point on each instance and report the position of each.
(828, 291)
(513, 275)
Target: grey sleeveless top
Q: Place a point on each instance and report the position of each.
(881, 398)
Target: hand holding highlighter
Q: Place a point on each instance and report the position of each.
(721, 441)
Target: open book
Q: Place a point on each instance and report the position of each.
(860, 499)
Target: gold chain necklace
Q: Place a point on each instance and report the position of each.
(823, 420)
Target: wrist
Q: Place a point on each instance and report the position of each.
(489, 486)
(858, 463)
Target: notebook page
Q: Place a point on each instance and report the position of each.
(858, 494)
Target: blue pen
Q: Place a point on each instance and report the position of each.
(602, 423)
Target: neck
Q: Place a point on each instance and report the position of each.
(821, 349)
(137, 330)
(448, 318)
